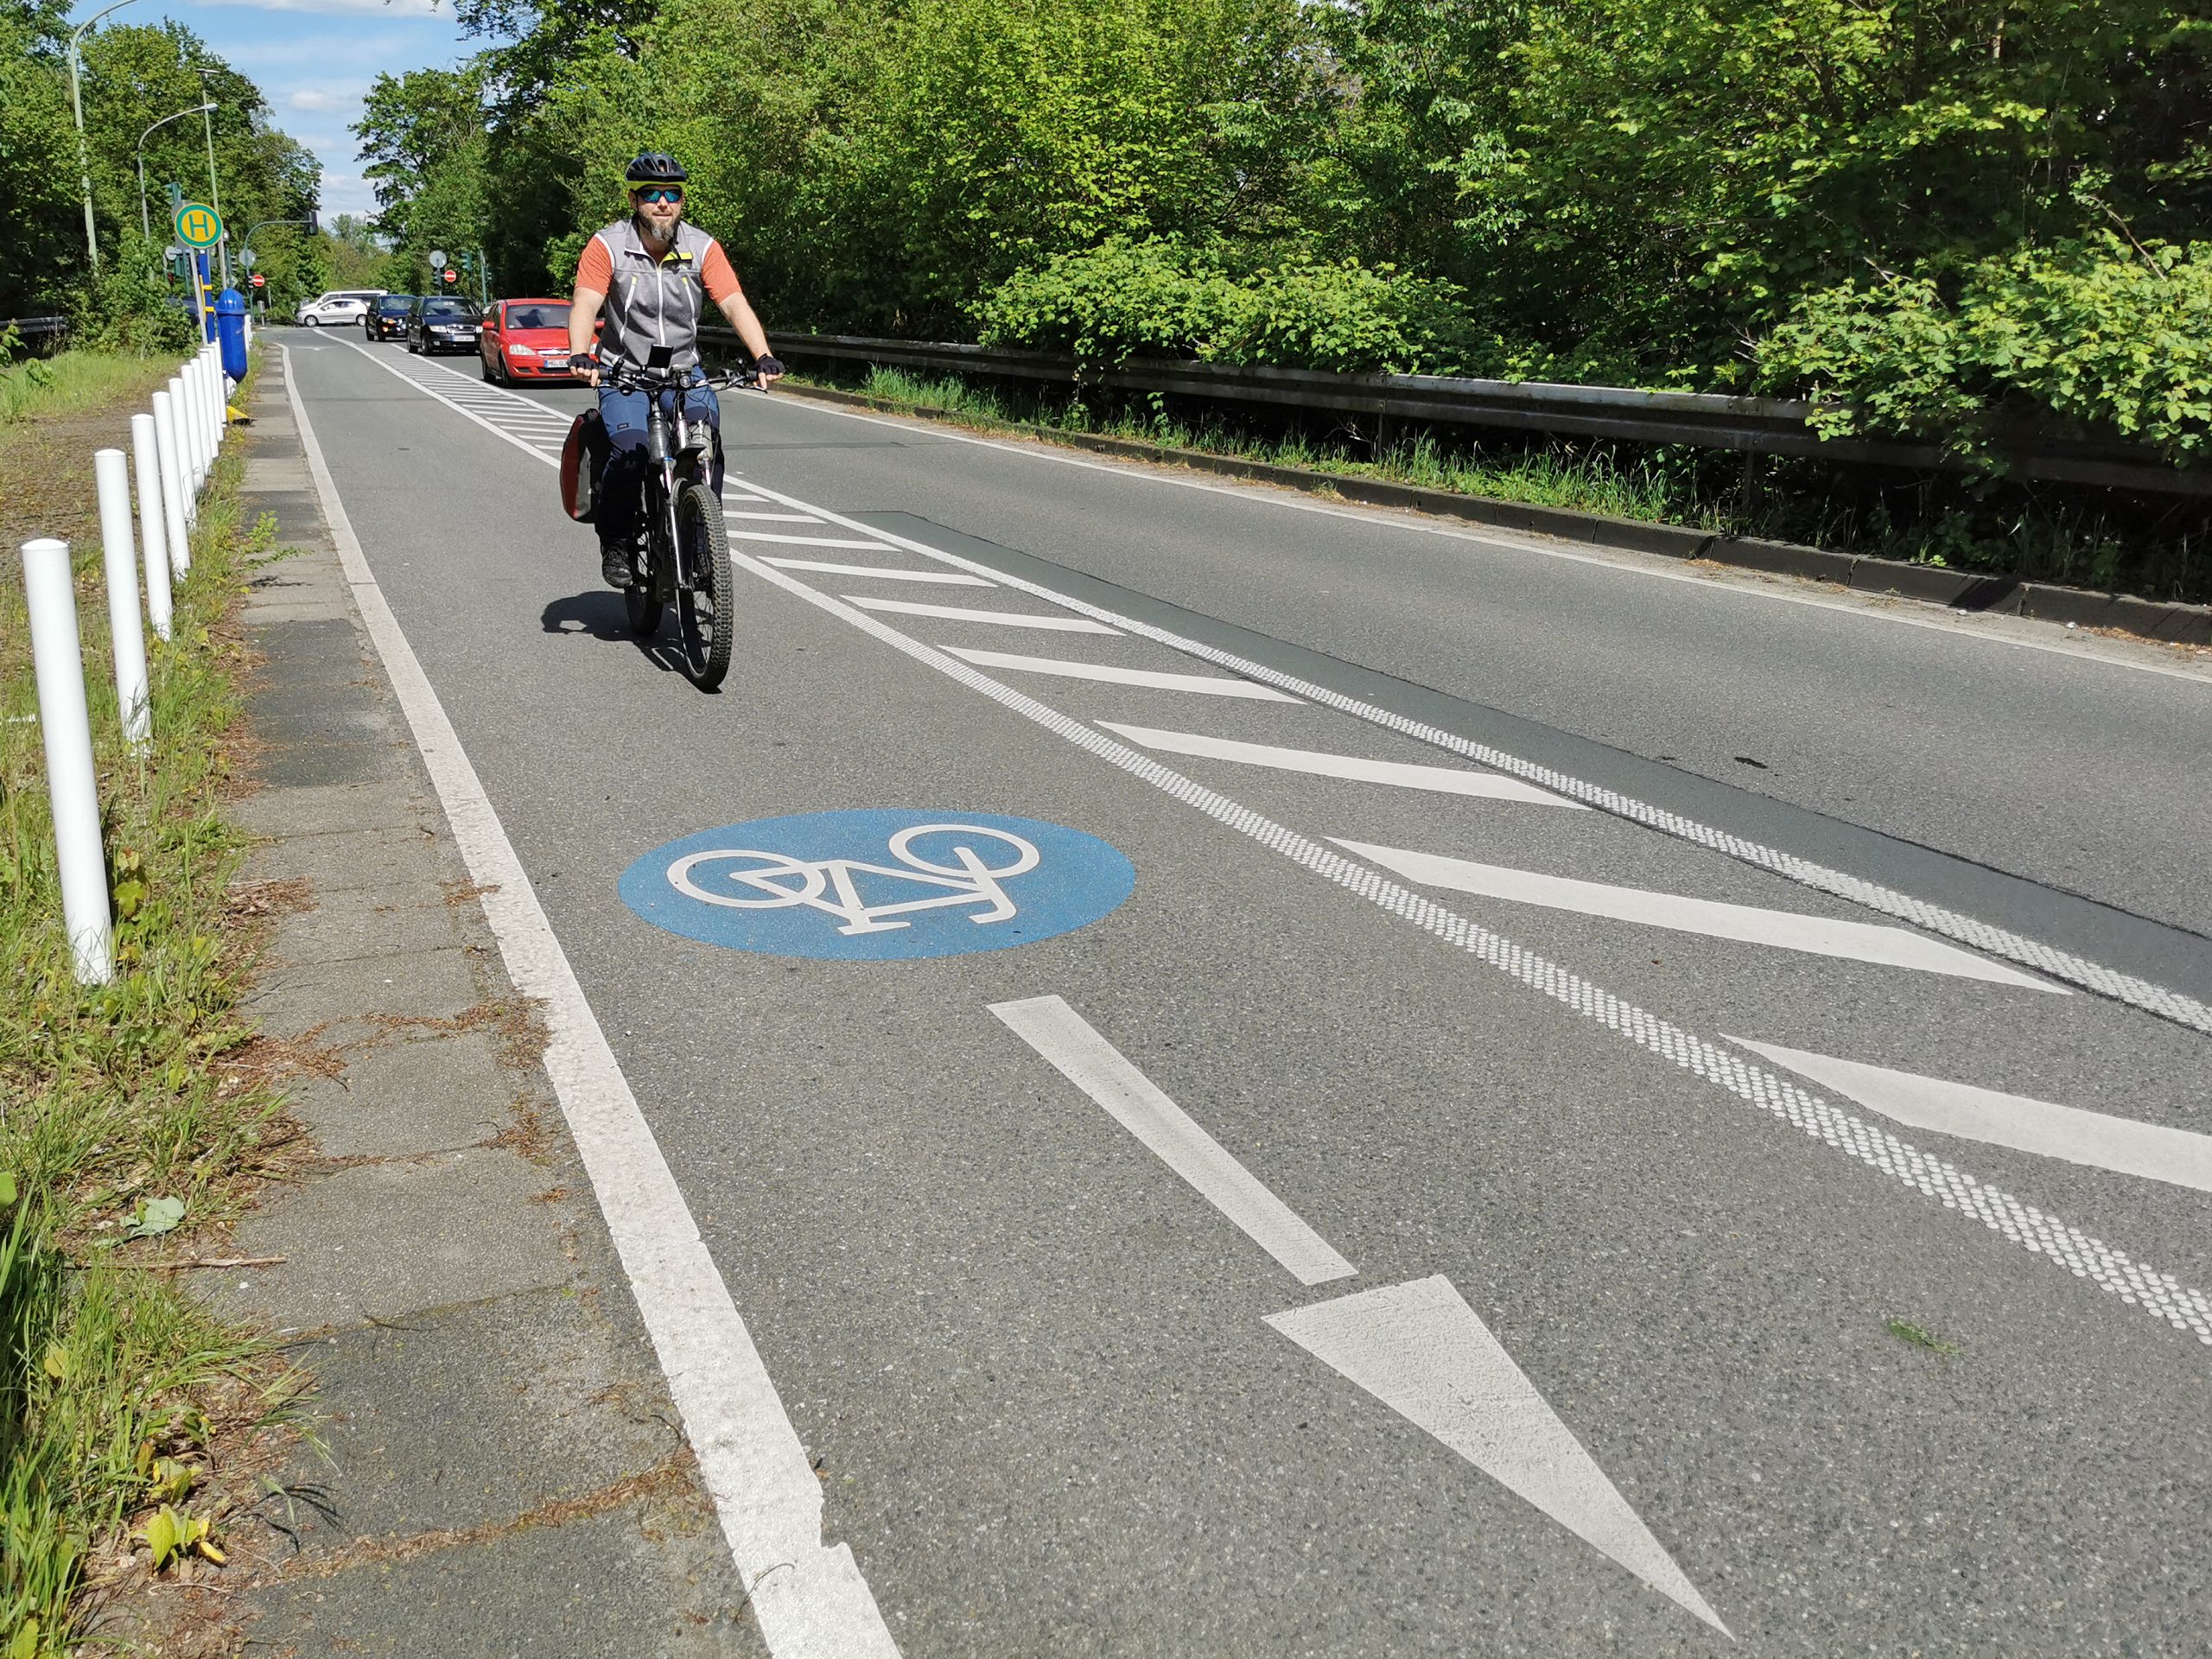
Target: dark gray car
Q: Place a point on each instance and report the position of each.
(443, 323)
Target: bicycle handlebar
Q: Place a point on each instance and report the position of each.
(627, 377)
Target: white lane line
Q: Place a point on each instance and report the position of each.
(811, 1601)
(1095, 1066)
(1210, 685)
(945, 578)
(2167, 1004)
(1423, 1352)
(803, 541)
(778, 518)
(1444, 780)
(2124, 1144)
(1785, 929)
(1001, 619)
(2159, 1294)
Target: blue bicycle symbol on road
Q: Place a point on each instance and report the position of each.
(879, 885)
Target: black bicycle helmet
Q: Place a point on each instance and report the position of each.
(655, 167)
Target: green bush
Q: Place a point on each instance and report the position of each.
(2100, 331)
(1162, 298)
(129, 307)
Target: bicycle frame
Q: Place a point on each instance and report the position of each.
(676, 454)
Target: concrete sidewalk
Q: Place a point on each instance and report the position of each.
(505, 1471)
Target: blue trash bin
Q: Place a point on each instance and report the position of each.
(230, 329)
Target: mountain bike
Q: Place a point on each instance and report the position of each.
(682, 553)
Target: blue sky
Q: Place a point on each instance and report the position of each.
(312, 61)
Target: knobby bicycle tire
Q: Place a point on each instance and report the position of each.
(705, 606)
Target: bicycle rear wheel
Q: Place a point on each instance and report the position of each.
(704, 605)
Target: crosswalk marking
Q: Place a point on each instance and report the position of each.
(2124, 1144)
(1211, 685)
(1819, 935)
(1001, 619)
(1444, 780)
(950, 578)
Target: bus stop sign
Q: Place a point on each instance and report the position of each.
(199, 226)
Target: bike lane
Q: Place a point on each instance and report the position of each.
(1033, 1351)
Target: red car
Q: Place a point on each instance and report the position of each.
(526, 340)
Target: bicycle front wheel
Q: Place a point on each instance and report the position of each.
(704, 604)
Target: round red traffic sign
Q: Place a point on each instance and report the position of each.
(451, 274)
(258, 280)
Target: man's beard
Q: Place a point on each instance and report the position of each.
(650, 227)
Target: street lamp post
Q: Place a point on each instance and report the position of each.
(84, 156)
(145, 221)
(214, 190)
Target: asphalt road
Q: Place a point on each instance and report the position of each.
(1664, 1255)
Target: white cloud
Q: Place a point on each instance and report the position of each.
(314, 98)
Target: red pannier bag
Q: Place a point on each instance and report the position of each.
(583, 455)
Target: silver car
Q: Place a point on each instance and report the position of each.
(340, 306)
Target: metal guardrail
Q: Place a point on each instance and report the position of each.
(1766, 426)
(48, 332)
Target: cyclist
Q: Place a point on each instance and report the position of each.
(653, 274)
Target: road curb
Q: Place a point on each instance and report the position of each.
(1970, 591)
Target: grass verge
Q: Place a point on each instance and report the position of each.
(125, 1118)
(2086, 539)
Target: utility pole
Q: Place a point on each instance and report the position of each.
(84, 156)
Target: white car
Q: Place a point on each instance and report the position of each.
(339, 306)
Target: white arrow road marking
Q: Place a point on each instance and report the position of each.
(2122, 1144)
(1422, 1351)
(947, 578)
(1418, 1348)
(1212, 685)
(1444, 780)
(1095, 1066)
(1003, 619)
(1788, 930)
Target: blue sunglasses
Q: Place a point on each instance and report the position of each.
(659, 192)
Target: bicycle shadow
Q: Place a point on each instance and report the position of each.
(602, 615)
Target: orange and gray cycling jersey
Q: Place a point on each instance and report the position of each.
(654, 301)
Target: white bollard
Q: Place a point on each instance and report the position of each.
(181, 434)
(203, 448)
(68, 733)
(153, 521)
(119, 554)
(174, 499)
